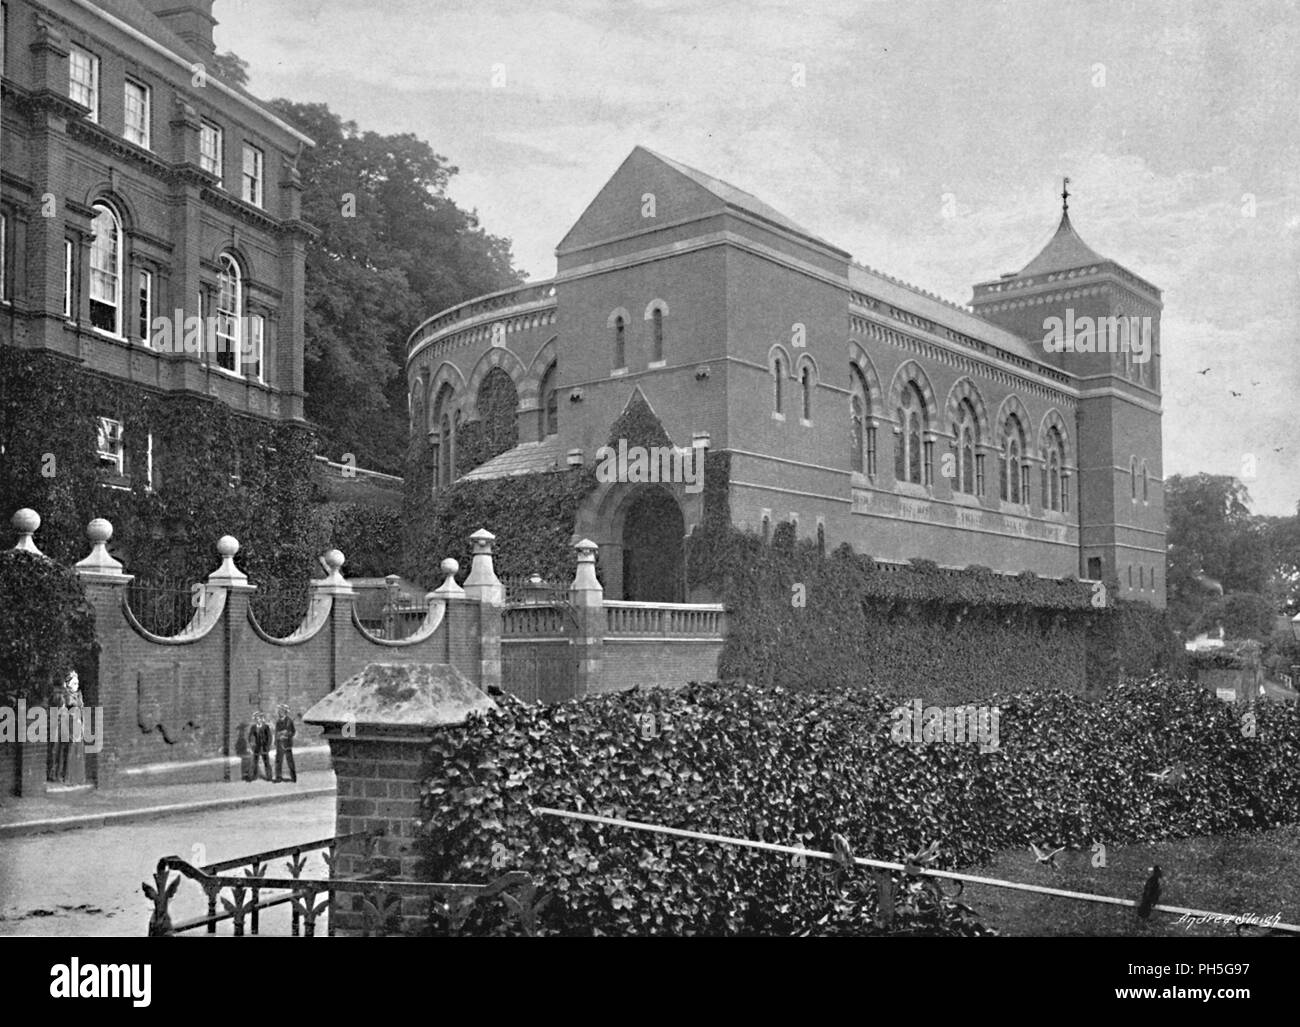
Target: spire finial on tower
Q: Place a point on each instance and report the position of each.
(1065, 199)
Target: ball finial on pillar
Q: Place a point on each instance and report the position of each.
(26, 522)
(99, 531)
(227, 547)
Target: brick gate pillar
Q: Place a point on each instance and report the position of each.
(105, 585)
(378, 724)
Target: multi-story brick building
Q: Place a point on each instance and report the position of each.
(860, 407)
(138, 185)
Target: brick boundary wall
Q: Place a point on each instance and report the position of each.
(176, 709)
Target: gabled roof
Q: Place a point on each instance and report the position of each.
(738, 198)
(1065, 250)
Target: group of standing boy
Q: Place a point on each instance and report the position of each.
(259, 744)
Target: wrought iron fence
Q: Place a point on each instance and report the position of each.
(280, 604)
(398, 618)
(163, 605)
(385, 904)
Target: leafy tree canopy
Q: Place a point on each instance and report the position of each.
(393, 250)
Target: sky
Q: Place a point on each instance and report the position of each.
(928, 139)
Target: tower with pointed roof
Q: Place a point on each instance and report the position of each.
(1109, 315)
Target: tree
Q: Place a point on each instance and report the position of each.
(231, 68)
(1211, 535)
(393, 250)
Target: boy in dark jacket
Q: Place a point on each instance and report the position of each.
(259, 741)
(284, 731)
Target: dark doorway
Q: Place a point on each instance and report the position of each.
(653, 569)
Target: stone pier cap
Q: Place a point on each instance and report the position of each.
(399, 698)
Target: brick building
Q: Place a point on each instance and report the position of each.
(139, 185)
(860, 407)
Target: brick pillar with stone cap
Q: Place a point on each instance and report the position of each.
(588, 598)
(484, 587)
(342, 596)
(105, 681)
(378, 724)
(228, 578)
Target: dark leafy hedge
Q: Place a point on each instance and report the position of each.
(798, 766)
(47, 626)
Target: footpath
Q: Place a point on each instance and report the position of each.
(97, 808)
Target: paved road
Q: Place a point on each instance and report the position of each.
(87, 883)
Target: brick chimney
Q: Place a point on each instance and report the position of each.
(190, 19)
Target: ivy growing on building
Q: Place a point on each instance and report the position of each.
(215, 472)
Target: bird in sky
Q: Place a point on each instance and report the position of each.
(1150, 893)
(1206, 371)
(1237, 394)
(1049, 858)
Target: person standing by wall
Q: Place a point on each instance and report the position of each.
(284, 732)
(259, 740)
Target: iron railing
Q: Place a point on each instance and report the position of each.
(241, 898)
(163, 605)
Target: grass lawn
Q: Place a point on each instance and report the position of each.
(1233, 874)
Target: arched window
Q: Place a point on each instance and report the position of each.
(912, 454)
(550, 404)
(1014, 473)
(1133, 477)
(1054, 463)
(230, 313)
(1146, 483)
(858, 436)
(963, 433)
(441, 436)
(863, 457)
(805, 383)
(106, 270)
(620, 342)
(657, 335)
(778, 373)
(498, 404)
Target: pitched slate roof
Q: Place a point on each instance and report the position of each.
(738, 198)
(525, 458)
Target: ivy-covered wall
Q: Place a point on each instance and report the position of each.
(216, 472)
(531, 515)
(802, 618)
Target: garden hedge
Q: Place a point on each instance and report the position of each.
(798, 766)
